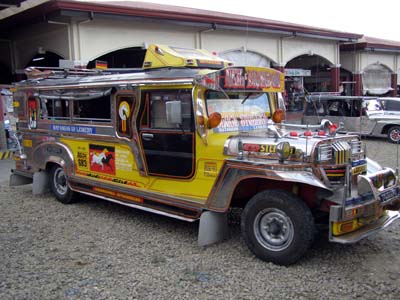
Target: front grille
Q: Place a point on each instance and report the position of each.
(341, 152)
(356, 147)
(336, 175)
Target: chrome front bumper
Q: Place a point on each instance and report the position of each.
(388, 218)
(374, 208)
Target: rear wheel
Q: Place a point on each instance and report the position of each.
(278, 227)
(394, 134)
(59, 186)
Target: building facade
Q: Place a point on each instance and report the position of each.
(41, 32)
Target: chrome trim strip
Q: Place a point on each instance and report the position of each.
(110, 83)
(185, 202)
(140, 207)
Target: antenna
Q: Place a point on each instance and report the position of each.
(397, 163)
(247, 41)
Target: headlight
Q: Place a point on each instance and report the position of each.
(283, 150)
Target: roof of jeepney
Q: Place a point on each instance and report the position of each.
(111, 78)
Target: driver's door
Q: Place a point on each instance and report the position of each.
(168, 148)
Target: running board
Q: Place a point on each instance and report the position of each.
(145, 208)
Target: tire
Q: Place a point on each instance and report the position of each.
(394, 134)
(59, 186)
(278, 227)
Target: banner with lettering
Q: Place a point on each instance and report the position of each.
(244, 78)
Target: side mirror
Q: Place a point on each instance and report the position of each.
(174, 112)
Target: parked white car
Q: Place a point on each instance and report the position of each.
(371, 116)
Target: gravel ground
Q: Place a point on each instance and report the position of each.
(99, 250)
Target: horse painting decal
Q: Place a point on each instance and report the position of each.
(102, 159)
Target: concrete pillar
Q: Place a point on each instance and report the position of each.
(357, 91)
(393, 93)
(335, 78)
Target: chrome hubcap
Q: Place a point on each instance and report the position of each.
(60, 181)
(273, 229)
(394, 135)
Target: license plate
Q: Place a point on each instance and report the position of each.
(359, 169)
(389, 194)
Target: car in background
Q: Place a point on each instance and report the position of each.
(370, 116)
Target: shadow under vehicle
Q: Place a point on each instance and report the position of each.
(363, 115)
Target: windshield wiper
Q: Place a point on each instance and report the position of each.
(247, 97)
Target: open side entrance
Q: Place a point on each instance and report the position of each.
(320, 67)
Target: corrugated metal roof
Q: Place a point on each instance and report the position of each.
(372, 44)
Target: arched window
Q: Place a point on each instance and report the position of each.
(376, 79)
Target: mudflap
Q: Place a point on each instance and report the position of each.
(213, 228)
(40, 183)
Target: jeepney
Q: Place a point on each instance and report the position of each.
(190, 136)
(370, 116)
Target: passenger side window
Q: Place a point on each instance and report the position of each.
(93, 110)
(392, 105)
(54, 109)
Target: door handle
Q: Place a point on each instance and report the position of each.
(147, 136)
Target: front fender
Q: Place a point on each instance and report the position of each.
(233, 173)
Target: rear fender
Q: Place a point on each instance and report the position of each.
(53, 152)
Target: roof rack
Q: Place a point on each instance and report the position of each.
(332, 96)
(56, 73)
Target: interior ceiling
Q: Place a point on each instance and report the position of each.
(9, 3)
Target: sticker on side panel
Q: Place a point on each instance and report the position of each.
(210, 169)
(102, 159)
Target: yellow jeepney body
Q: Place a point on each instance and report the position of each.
(190, 136)
(106, 156)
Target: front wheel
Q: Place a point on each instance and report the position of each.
(59, 186)
(394, 134)
(278, 227)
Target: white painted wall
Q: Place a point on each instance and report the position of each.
(369, 58)
(50, 37)
(347, 61)
(226, 40)
(103, 36)
(296, 46)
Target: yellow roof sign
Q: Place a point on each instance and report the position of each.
(161, 56)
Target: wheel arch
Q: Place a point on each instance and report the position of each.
(249, 187)
(386, 128)
(235, 187)
(48, 154)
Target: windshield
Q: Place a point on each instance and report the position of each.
(240, 111)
